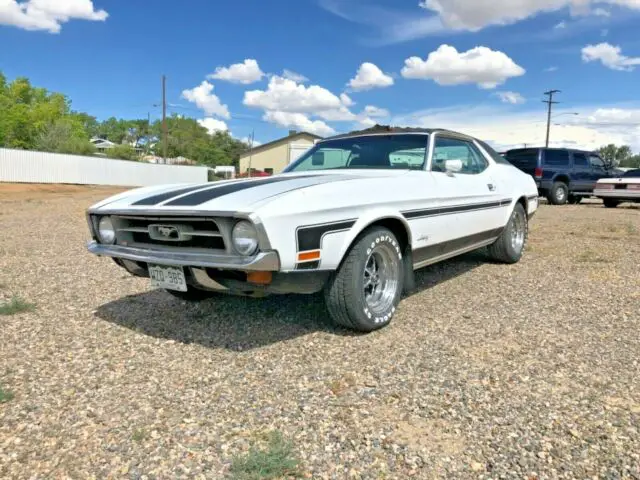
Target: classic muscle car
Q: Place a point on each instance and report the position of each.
(354, 216)
(617, 190)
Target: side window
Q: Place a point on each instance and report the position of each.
(458, 156)
(596, 161)
(556, 158)
(580, 160)
(409, 158)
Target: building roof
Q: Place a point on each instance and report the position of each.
(381, 129)
(273, 143)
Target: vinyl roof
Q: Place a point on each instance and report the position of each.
(381, 129)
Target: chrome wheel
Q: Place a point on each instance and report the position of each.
(381, 278)
(518, 230)
(560, 195)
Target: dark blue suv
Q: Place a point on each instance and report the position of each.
(562, 175)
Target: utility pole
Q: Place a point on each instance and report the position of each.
(164, 118)
(251, 151)
(549, 103)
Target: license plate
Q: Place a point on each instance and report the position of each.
(171, 278)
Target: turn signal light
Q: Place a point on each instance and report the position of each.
(260, 278)
(308, 256)
(605, 186)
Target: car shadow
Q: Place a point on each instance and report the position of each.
(241, 323)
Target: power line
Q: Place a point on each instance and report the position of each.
(550, 104)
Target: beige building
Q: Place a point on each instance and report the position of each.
(274, 156)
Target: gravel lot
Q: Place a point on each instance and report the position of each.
(488, 371)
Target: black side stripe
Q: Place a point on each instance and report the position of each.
(308, 265)
(219, 191)
(432, 212)
(433, 251)
(310, 237)
(161, 197)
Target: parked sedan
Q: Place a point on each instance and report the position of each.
(355, 216)
(614, 191)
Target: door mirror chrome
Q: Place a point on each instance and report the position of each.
(453, 165)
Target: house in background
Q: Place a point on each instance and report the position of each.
(102, 144)
(274, 156)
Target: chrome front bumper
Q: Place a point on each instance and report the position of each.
(263, 261)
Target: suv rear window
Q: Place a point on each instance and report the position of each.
(524, 157)
(558, 158)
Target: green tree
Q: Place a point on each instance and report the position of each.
(65, 135)
(123, 152)
(631, 162)
(615, 155)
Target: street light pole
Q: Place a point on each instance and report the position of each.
(549, 103)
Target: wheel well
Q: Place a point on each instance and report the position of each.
(523, 201)
(562, 178)
(397, 228)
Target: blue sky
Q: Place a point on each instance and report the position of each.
(479, 66)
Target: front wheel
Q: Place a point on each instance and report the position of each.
(365, 290)
(510, 245)
(610, 203)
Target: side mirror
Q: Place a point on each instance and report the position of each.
(317, 159)
(453, 165)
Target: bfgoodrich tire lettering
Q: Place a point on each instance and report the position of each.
(509, 247)
(364, 292)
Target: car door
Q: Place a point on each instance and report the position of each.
(472, 200)
(581, 172)
(597, 171)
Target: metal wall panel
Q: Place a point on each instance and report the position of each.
(39, 167)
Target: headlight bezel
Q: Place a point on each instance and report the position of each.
(251, 234)
(99, 230)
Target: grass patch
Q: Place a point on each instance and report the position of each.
(631, 229)
(16, 305)
(5, 395)
(276, 460)
(589, 256)
(139, 435)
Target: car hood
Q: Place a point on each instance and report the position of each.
(228, 196)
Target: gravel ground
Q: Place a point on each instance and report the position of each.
(488, 371)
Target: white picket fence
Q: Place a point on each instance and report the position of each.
(39, 167)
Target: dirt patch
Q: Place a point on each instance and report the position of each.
(25, 191)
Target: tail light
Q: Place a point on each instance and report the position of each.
(538, 172)
(633, 186)
(605, 186)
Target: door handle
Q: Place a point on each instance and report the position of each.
(491, 186)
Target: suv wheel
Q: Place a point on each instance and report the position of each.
(559, 193)
(574, 199)
(365, 290)
(610, 202)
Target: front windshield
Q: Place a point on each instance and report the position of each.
(406, 152)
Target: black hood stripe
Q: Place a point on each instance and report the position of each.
(204, 196)
(161, 197)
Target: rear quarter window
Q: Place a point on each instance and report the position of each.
(523, 158)
(556, 158)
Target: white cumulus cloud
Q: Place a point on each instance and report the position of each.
(610, 56)
(346, 100)
(299, 121)
(446, 66)
(373, 111)
(213, 125)
(513, 98)
(369, 76)
(205, 99)
(48, 15)
(285, 95)
(477, 14)
(296, 77)
(244, 73)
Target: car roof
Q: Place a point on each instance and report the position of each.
(387, 129)
(577, 150)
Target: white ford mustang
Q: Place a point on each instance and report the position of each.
(354, 216)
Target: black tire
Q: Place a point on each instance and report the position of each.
(191, 295)
(346, 292)
(575, 199)
(503, 249)
(610, 202)
(558, 194)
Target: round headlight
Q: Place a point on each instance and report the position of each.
(245, 238)
(106, 232)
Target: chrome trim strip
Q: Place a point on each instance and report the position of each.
(263, 261)
(455, 253)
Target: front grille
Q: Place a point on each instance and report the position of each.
(202, 233)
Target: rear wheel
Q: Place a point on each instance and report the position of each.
(610, 202)
(509, 247)
(365, 290)
(558, 194)
(192, 294)
(575, 199)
